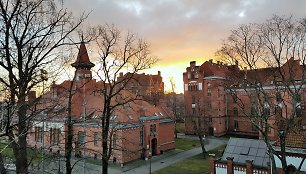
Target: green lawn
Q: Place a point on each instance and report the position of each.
(186, 144)
(180, 127)
(34, 155)
(194, 165)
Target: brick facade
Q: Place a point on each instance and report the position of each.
(136, 129)
(213, 92)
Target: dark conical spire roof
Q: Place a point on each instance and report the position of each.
(82, 59)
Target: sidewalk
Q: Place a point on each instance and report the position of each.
(162, 163)
(141, 166)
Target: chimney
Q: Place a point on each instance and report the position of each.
(249, 166)
(212, 163)
(192, 63)
(120, 74)
(158, 72)
(230, 167)
(210, 60)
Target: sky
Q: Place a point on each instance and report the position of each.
(180, 31)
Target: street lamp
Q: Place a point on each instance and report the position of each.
(44, 77)
(59, 161)
(150, 154)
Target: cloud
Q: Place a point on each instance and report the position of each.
(183, 30)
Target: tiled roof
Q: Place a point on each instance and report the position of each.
(83, 59)
(295, 140)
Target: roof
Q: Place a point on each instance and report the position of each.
(295, 140)
(242, 149)
(83, 58)
(166, 120)
(146, 118)
(116, 126)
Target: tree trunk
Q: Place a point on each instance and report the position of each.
(104, 153)
(202, 144)
(69, 138)
(69, 146)
(2, 168)
(21, 158)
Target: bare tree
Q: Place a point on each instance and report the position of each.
(200, 120)
(273, 56)
(31, 32)
(117, 54)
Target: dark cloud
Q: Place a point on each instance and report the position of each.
(183, 30)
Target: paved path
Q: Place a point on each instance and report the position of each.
(156, 165)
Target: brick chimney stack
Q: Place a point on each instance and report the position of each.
(229, 163)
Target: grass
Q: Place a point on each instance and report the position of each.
(180, 127)
(186, 144)
(34, 155)
(194, 165)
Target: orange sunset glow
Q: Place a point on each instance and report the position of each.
(180, 31)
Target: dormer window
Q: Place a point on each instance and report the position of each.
(113, 118)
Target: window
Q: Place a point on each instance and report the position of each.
(200, 86)
(96, 139)
(210, 119)
(193, 99)
(278, 110)
(186, 87)
(193, 110)
(55, 135)
(236, 126)
(208, 104)
(113, 118)
(196, 75)
(38, 133)
(141, 138)
(219, 92)
(208, 92)
(153, 129)
(297, 105)
(81, 138)
(235, 112)
(114, 140)
(278, 97)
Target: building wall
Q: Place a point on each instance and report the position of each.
(166, 138)
(207, 101)
(226, 115)
(127, 146)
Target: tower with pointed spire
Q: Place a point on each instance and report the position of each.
(83, 64)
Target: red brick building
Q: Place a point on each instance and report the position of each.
(215, 92)
(149, 87)
(136, 128)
